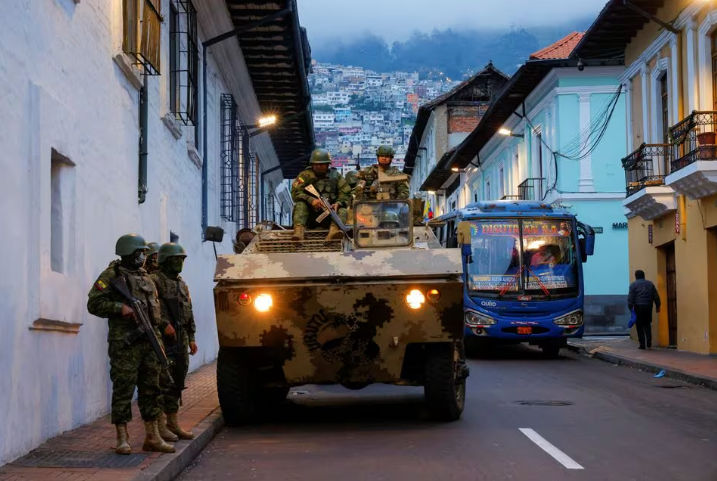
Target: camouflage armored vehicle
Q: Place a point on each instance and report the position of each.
(381, 306)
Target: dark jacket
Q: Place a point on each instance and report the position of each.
(643, 293)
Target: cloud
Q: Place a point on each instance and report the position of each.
(397, 19)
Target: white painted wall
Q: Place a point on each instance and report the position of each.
(62, 90)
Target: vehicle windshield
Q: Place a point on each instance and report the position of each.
(383, 224)
(529, 257)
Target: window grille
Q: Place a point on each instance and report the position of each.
(142, 22)
(253, 189)
(229, 159)
(184, 61)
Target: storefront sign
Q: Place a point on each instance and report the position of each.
(649, 233)
(598, 229)
(619, 225)
(677, 221)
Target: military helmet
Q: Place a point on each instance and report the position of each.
(129, 243)
(385, 151)
(170, 249)
(389, 220)
(152, 247)
(320, 156)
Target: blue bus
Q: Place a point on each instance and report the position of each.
(522, 268)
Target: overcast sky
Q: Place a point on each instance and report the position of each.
(396, 19)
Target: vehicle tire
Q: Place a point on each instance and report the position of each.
(445, 384)
(237, 389)
(551, 349)
(274, 395)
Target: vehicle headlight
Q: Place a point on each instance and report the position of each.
(263, 302)
(475, 319)
(571, 319)
(415, 299)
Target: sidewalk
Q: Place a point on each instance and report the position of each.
(87, 453)
(686, 366)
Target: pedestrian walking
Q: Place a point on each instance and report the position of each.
(133, 362)
(640, 298)
(176, 306)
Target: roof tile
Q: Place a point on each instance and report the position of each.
(560, 49)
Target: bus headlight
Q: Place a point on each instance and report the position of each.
(474, 319)
(415, 299)
(571, 319)
(263, 302)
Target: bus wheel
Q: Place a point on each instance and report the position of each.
(445, 382)
(237, 389)
(551, 349)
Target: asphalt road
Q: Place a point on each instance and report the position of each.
(606, 422)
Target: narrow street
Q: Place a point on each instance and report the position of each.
(607, 423)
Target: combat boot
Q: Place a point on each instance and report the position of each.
(173, 425)
(164, 432)
(123, 446)
(153, 441)
(298, 233)
(334, 233)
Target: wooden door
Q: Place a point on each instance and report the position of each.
(671, 282)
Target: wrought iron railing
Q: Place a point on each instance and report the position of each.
(646, 166)
(694, 139)
(531, 189)
(510, 197)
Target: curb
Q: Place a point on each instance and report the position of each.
(168, 467)
(669, 372)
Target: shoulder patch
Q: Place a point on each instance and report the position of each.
(101, 285)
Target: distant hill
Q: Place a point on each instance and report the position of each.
(456, 53)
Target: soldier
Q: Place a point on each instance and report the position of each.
(176, 306)
(369, 187)
(329, 183)
(150, 265)
(132, 360)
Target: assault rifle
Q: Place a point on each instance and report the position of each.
(328, 210)
(145, 326)
(173, 309)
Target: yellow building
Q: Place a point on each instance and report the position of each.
(670, 82)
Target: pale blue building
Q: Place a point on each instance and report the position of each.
(553, 134)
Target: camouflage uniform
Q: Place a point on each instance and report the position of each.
(173, 291)
(135, 364)
(333, 187)
(369, 175)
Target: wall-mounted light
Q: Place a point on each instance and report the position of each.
(507, 132)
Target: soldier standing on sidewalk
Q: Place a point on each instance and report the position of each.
(176, 306)
(133, 363)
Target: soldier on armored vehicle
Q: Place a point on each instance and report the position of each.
(307, 208)
(381, 181)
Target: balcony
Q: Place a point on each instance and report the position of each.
(646, 167)
(531, 189)
(694, 168)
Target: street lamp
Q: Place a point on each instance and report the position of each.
(507, 132)
(263, 123)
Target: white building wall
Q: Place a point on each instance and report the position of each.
(63, 91)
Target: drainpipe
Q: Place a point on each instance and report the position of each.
(682, 206)
(143, 130)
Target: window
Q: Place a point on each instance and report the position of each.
(141, 22)
(714, 69)
(61, 190)
(664, 108)
(501, 185)
(183, 61)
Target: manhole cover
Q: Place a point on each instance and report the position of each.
(51, 458)
(544, 403)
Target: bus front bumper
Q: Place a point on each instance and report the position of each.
(525, 331)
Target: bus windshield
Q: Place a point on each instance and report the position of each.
(523, 257)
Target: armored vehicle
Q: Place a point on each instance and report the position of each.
(383, 305)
